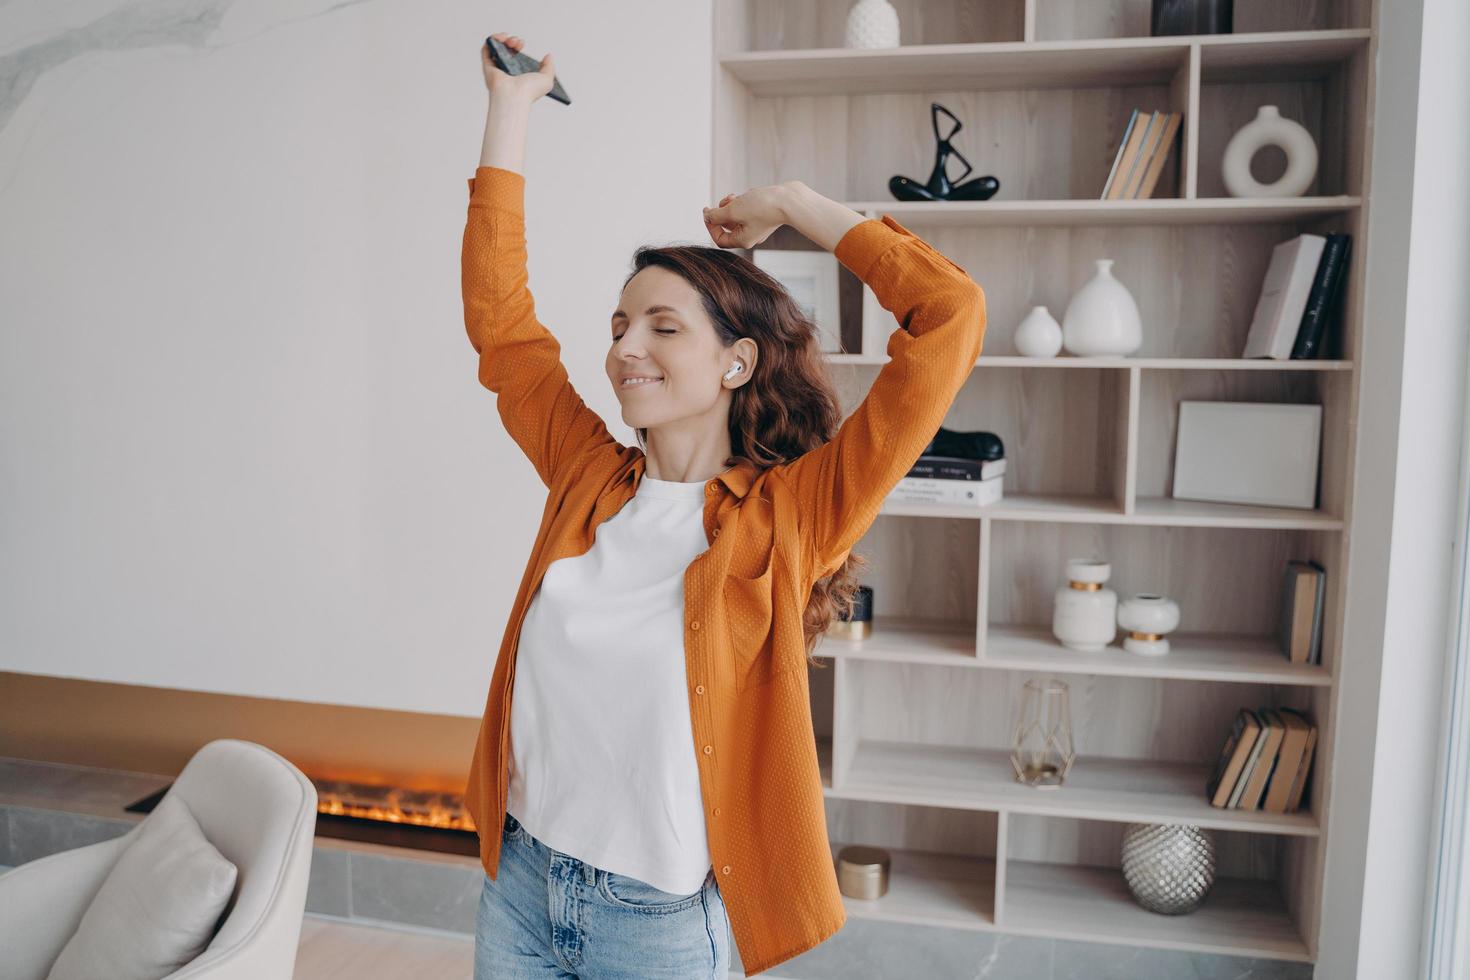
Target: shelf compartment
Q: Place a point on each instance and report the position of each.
(1240, 659)
(1065, 361)
(1087, 211)
(932, 889)
(1110, 62)
(1240, 917)
(1157, 511)
(1142, 791)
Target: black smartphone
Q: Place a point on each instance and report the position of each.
(516, 63)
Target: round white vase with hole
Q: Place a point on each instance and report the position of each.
(1145, 619)
(872, 24)
(1270, 128)
(1085, 611)
(1102, 319)
(1039, 334)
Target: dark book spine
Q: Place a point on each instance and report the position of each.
(947, 469)
(1322, 300)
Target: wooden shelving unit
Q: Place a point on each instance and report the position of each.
(913, 724)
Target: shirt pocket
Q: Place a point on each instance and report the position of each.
(749, 602)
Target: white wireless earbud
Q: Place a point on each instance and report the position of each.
(736, 369)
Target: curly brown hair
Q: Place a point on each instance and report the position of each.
(788, 407)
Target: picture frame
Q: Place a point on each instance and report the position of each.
(810, 276)
(1264, 453)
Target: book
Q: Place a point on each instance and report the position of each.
(1324, 300)
(1160, 154)
(1237, 748)
(1146, 150)
(1303, 773)
(1299, 634)
(1132, 149)
(1118, 157)
(922, 490)
(1289, 759)
(957, 468)
(1283, 298)
(1255, 787)
(1250, 762)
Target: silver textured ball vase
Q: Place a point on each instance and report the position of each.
(1169, 867)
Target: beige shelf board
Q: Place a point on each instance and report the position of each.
(1065, 361)
(1149, 511)
(931, 889)
(1235, 659)
(1096, 789)
(1087, 211)
(1239, 917)
(1088, 63)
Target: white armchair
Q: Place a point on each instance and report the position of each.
(254, 806)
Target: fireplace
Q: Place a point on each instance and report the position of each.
(378, 814)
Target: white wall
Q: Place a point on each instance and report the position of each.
(1380, 833)
(243, 447)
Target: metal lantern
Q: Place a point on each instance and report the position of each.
(1169, 867)
(1041, 750)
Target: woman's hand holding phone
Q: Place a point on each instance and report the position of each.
(529, 86)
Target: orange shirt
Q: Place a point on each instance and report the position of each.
(772, 533)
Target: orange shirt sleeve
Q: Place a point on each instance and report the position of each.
(841, 485)
(520, 360)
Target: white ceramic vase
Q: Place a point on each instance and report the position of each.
(872, 24)
(1270, 128)
(1039, 334)
(1084, 611)
(1102, 319)
(1144, 619)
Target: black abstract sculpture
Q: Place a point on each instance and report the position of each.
(940, 187)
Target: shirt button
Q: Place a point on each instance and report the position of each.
(708, 749)
(726, 869)
(717, 811)
(710, 488)
(699, 689)
(694, 625)
(717, 532)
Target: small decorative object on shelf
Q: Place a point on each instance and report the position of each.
(1169, 868)
(872, 24)
(1039, 335)
(1193, 17)
(862, 871)
(1145, 618)
(1270, 128)
(1041, 750)
(859, 625)
(939, 187)
(1102, 319)
(1084, 615)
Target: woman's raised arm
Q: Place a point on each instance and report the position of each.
(520, 360)
(841, 484)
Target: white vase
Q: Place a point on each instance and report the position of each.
(1144, 619)
(1039, 334)
(1102, 318)
(1084, 611)
(1270, 128)
(872, 24)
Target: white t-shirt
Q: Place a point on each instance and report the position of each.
(603, 765)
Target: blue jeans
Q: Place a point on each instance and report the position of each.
(548, 914)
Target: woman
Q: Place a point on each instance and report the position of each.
(651, 776)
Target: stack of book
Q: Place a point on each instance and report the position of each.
(1299, 297)
(1141, 154)
(936, 479)
(1302, 590)
(1265, 761)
